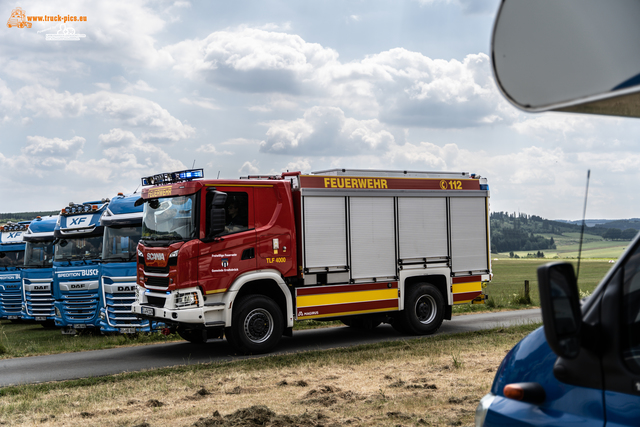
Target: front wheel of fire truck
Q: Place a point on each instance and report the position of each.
(423, 310)
(256, 325)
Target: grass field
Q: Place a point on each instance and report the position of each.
(568, 245)
(435, 381)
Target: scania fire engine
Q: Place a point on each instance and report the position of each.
(11, 261)
(246, 258)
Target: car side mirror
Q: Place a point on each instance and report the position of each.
(561, 314)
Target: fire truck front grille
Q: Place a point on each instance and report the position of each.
(80, 307)
(162, 282)
(39, 303)
(156, 301)
(118, 310)
(11, 302)
(161, 270)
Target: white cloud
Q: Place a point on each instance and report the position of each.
(200, 102)
(211, 149)
(49, 103)
(249, 168)
(325, 130)
(139, 86)
(140, 112)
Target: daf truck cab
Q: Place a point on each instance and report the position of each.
(37, 273)
(11, 261)
(122, 223)
(78, 254)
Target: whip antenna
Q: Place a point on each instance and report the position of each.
(584, 213)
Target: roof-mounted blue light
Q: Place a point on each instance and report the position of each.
(171, 177)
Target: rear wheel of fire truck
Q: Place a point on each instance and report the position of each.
(194, 336)
(256, 325)
(423, 310)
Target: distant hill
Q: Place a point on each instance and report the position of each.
(23, 216)
(622, 224)
(522, 232)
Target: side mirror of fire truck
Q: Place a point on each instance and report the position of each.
(217, 215)
(560, 304)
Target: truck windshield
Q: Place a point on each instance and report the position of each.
(11, 259)
(169, 218)
(38, 254)
(78, 249)
(120, 243)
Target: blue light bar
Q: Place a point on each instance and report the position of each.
(171, 177)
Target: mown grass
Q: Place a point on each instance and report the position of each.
(433, 380)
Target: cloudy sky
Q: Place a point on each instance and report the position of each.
(248, 87)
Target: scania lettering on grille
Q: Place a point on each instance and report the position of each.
(155, 257)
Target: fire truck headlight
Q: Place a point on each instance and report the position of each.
(174, 253)
(188, 299)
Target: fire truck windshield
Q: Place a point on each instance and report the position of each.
(78, 249)
(169, 218)
(38, 254)
(120, 243)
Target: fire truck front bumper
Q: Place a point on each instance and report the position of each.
(183, 306)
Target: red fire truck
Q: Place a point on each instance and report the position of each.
(246, 258)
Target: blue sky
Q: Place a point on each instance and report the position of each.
(252, 87)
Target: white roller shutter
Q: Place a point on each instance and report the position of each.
(372, 237)
(468, 234)
(422, 224)
(325, 232)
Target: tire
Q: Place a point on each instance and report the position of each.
(364, 323)
(423, 310)
(194, 336)
(256, 325)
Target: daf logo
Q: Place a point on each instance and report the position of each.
(78, 221)
(126, 288)
(155, 257)
(77, 286)
(39, 288)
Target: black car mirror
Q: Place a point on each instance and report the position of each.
(561, 314)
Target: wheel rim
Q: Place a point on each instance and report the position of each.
(426, 309)
(258, 325)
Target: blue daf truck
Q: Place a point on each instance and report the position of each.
(122, 223)
(37, 273)
(11, 261)
(77, 268)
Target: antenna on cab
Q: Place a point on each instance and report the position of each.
(584, 213)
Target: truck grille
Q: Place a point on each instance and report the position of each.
(118, 307)
(11, 302)
(80, 306)
(161, 270)
(39, 303)
(162, 282)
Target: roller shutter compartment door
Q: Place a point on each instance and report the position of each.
(468, 234)
(325, 232)
(422, 227)
(372, 225)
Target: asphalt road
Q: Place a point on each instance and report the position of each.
(67, 366)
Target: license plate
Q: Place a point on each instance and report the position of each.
(127, 330)
(80, 326)
(40, 319)
(12, 317)
(147, 311)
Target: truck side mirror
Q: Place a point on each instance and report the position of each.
(217, 215)
(561, 314)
